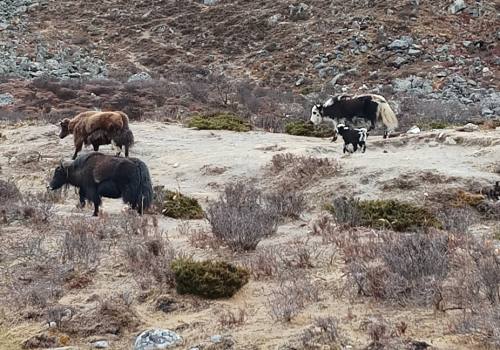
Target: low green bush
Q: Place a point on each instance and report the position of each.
(392, 214)
(301, 128)
(209, 279)
(176, 205)
(222, 121)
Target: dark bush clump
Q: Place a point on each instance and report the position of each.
(391, 214)
(209, 279)
(222, 121)
(241, 218)
(301, 128)
(176, 205)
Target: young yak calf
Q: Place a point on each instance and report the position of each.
(98, 175)
(355, 137)
(98, 128)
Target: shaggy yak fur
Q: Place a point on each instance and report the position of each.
(98, 128)
(355, 137)
(97, 175)
(345, 109)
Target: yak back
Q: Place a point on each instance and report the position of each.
(96, 167)
(79, 117)
(109, 121)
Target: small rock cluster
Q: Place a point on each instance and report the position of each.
(153, 339)
(61, 61)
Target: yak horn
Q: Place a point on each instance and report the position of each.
(66, 164)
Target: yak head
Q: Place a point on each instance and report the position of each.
(316, 114)
(64, 128)
(60, 177)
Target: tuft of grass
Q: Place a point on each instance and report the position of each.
(301, 128)
(398, 216)
(209, 279)
(222, 121)
(176, 205)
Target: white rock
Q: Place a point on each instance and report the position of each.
(101, 344)
(154, 339)
(414, 130)
(450, 141)
(458, 5)
(470, 127)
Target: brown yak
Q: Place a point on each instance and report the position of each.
(98, 128)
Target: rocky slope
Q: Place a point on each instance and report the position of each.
(434, 49)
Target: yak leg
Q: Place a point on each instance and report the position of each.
(345, 148)
(354, 147)
(78, 148)
(93, 195)
(81, 193)
(126, 151)
(108, 189)
(96, 147)
(363, 147)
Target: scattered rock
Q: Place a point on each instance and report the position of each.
(450, 141)
(209, 2)
(41, 341)
(274, 19)
(413, 130)
(299, 12)
(457, 6)
(469, 127)
(156, 339)
(142, 76)
(101, 344)
(401, 44)
(399, 61)
(6, 99)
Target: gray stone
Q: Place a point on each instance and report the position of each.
(274, 19)
(486, 112)
(400, 44)
(153, 339)
(414, 52)
(300, 81)
(6, 99)
(143, 76)
(209, 2)
(413, 130)
(457, 6)
(399, 61)
(467, 43)
(300, 11)
(333, 82)
(450, 141)
(101, 344)
(470, 127)
(216, 338)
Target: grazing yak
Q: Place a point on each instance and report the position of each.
(344, 109)
(98, 175)
(355, 137)
(98, 128)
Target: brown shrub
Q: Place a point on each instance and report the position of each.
(110, 316)
(291, 296)
(80, 244)
(324, 334)
(240, 218)
(298, 171)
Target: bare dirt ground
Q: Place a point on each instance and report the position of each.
(178, 158)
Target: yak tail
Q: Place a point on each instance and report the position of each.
(145, 189)
(386, 114)
(124, 119)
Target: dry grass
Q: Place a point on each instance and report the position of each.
(293, 293)
(240, 218)
(296, 172)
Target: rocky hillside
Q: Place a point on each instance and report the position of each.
(442, 50)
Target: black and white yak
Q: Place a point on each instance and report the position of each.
(98, 175)
(355, 137)
(345, 109)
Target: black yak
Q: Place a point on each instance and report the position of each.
(372, 108)
(355, 137)
(98, 175)
(98, 128)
